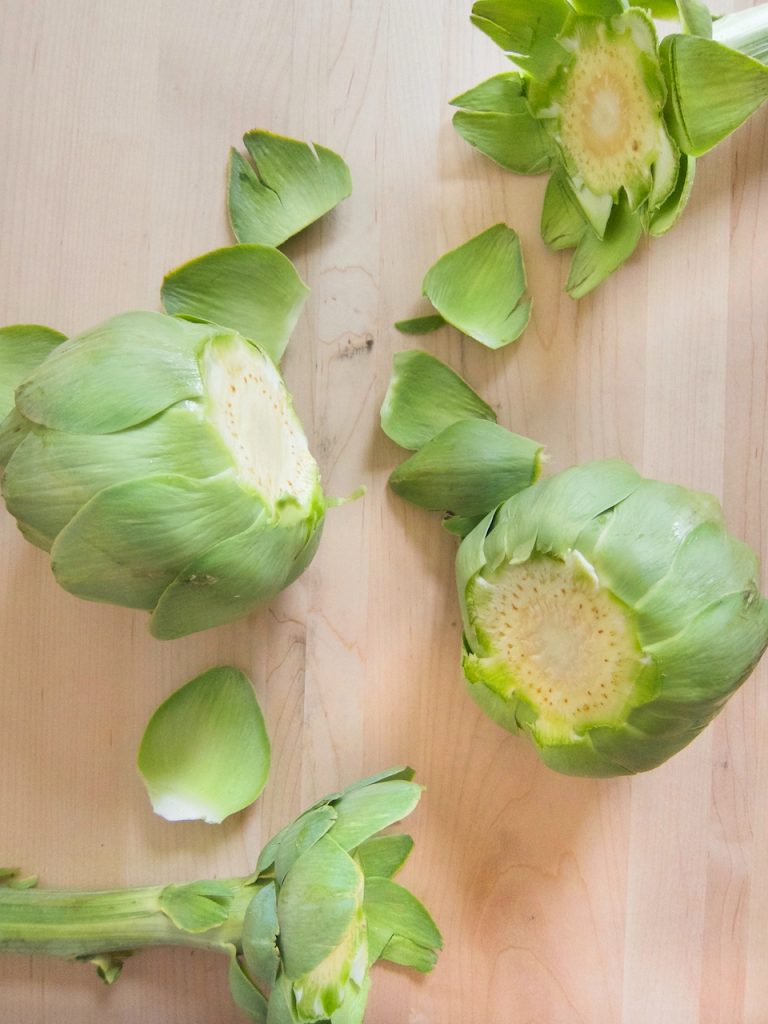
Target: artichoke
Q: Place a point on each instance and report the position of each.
(617, 117)
(301, 933)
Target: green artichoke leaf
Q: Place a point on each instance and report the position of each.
(13, 429)
(252, 289)
(596, 258)
(352, 1010)
(22, 348)
(407, 953)
(495, 118)
(52, 473)
(129, 542)
(421, 324)
(117, 375)
(468, 468)
(260, 931)
(300, 836)
(712, 90)
(665, 9)
(205, 753)
(460, 526)
(282, 1005)
(197, 906)
(478, 287)
(236, 575)
(696, 17)
(383, 856)
(562, 219)
(393, 912)
(317, 906)
(667, 215)
(519, 26)
(580, 758)
(599, 8)
(363, 812)
(292, 185)
(245, 994)
(424, 397)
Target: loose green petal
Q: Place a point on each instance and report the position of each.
(562, 217)
(363, 812)
(495, 119)
(596, 259)
(252, 289)
(383, 856)
(479, 287)
(424, 397)
(420, 324)
(293, 184)
(22, 348)
(260, 931)
(712, 90)
(236, 575)
(129, 542)
(53, 474)
(317, 906)
(205, 753)
(116, 375)
(244, 992)
(468, 469)
(197, 906)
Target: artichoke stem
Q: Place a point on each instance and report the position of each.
(72, 924)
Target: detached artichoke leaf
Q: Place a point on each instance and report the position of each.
(596, 258)
(424, 397)
(393, 913)
(117, 375)
(205, 753)
(133, 539)
(260, 931)
(197, 906)
(712, 90)
(363, 812)
(22, 348)
(53, 474)
(383, 856)
(468, 469)
(291, 185)
(421, 324)
(495, 118)
(252, 289)
(245, 994)
(479, 287)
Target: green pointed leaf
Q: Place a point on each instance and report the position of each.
(205, 753)
(424, 397)
(22, 348)
(251, 289)
(383, 856)
(468, 469)
(198, 906)
(317, 905)
(300, 836)
(421, 324)
(517, 25)
(460, 526)
(116, 375)
(54, 473)
(596, 259)
(293, 184)
(245, 994)
(260, 931)
(670, 211)
(712, 90)
(391, 912)
(495, 118)
(235, 576)
(129, 542)
(479, 287)
(406, 953)
(562, 219)
(363, 812)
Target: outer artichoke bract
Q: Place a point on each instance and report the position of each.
(162, 464)
(608, 617)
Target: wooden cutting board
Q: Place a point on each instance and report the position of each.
(562, 901)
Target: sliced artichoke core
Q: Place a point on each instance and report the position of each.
(249, 404)
(568, 646)
(609, 121)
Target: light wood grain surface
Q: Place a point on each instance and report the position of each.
(562, 901)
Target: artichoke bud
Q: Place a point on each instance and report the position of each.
(608, 617)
